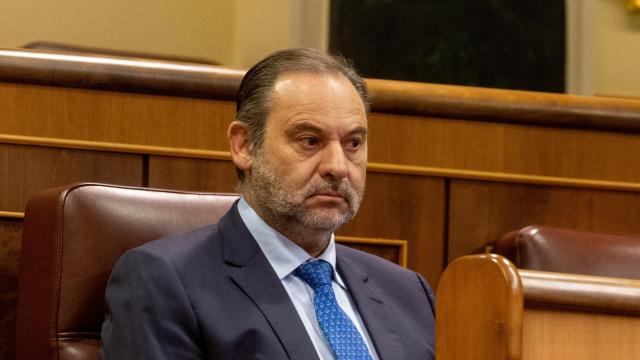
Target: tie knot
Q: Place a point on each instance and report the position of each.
(315, 273)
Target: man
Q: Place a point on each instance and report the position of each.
(268, 281)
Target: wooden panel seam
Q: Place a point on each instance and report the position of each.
(371, 166)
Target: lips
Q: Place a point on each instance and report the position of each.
(329, 196)
(333, 194)
(333, 197)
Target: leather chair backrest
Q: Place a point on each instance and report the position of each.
(72, 237)
(570, 251)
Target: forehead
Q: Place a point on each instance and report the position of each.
(315, 91)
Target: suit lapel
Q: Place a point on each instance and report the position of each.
(370, 301)
(251, 272)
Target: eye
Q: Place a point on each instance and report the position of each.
(354, 143)
(310, 141)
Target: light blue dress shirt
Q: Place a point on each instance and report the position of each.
(285, 256)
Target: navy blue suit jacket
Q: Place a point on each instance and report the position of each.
(212, 294)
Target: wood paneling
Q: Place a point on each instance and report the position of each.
(390, 253)
(393, 250)
(504, 148)
(10, 240)
(481, 212)
(192, 174)
(106, 116)
(408, 208)
(561, 334)
(387, 96)
(27, 169)
(397, 139)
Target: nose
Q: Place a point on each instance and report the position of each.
(333, 162)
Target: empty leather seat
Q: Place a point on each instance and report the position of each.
(571, 251)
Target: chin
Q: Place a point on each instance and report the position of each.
(326, 220)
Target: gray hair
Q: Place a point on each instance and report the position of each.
(252, 106)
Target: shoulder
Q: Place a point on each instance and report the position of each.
(177, 244)
(181, 251)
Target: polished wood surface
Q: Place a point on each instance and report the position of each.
(137, 75)
(388, 168)
(508, 106)
(500, 148)
(398, 139)
(112, 117)
(192, 174)
(479, 307)
(581, 292)
(30, 169)
(486, 305)
(561, 334)
(87, 50)
(117, 73)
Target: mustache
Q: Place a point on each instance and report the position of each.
(343, 188)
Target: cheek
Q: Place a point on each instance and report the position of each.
(297, 174)
(359, 174)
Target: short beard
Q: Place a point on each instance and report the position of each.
(284, 205)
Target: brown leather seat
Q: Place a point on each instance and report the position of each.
(72, 238)
(570, 251)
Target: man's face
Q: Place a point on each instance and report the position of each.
(312, 166)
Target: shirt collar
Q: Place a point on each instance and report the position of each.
(283, 254)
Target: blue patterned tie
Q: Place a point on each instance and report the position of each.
(344, 338)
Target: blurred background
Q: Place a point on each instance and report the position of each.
(586, 47)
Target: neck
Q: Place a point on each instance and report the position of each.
(313, 241)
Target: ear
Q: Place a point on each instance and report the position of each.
(240, 145)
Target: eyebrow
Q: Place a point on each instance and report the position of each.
(302, 127)
(305, 126)
(361, 130)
